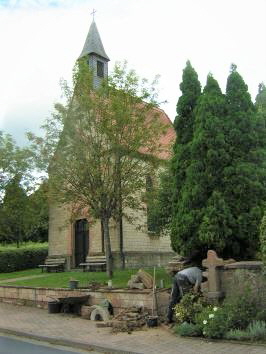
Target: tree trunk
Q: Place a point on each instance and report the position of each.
(120, 212)
(108, 251)
(121, 241)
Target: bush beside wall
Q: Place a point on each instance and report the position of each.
(22, 258)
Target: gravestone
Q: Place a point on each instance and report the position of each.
(213, 263)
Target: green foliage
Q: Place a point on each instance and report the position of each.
(100, 145)
(191, 89)
(220, 190)
(261, 98)
(241, 309)
(261, 315)
(189, 306)
(186, 329)
(213, 322)
(214, 230)
(37, 214)
(159, 203)
(60, 280)
(13, 161)
(24, 245)
(244, 178)
(184, 126)
(23, 217)
(13, 212)
(256, 330)
(237, 334)
(235, 313)
(263, 238)
(201, 211)
(20, 273)
(22, 258)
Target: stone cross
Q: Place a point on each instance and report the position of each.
(212, 263)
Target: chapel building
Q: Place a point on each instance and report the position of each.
(78, 239)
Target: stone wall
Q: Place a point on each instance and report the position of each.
(239, 276)
(227, 278)
(119, 298)
(142, 259)
(59, 231)
(141, 249)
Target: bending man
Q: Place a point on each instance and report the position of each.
(183, 281)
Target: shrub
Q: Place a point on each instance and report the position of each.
(237, 334)
(256, 330)
(22, 258)
(190, 305)
(212, 322)
(188, 329)
(241, 310)
(235, 314)
(263, 238)
(261, 315)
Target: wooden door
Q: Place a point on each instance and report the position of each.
(81, 241)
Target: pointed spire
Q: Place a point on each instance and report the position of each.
(93, 43)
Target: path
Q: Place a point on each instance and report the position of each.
(38, 323)
(22, 278)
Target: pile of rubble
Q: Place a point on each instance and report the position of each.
(176, 264)
(141, 280)
(127, 320)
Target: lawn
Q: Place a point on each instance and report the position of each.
(21, 273)
(23, 245)
(60, 280)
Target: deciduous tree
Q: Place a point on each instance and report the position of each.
(108, 143)
(13, 212)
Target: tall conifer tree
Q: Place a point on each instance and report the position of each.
(184, 122)
(201, 211)
(261, 98)
(222, 194)
(184, 125)
(244, 177)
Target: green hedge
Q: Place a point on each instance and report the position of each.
(21, 258)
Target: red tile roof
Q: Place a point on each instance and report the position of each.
(167, 138)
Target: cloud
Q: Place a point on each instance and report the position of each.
(38, 4)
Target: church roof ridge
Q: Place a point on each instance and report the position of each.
(93, 43)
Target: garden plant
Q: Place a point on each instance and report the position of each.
(238, 318)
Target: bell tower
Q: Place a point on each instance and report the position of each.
(94, 52)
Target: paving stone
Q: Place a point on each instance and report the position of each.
(159, 340)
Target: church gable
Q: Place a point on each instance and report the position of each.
(83, 237)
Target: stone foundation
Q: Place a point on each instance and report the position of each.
(134, 260)
(119, 298)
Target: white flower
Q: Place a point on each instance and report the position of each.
(211, 315)
(204, 333)
(215, 308)
(205, 322)
(178, 314)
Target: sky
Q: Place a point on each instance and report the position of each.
(41, 39)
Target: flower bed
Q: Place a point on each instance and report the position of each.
(236, 318)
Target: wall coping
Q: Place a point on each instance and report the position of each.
(101, 290)
(244, 265)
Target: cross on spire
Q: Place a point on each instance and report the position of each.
(93, 13)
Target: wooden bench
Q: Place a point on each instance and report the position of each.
(53, 264)
(94, 263)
